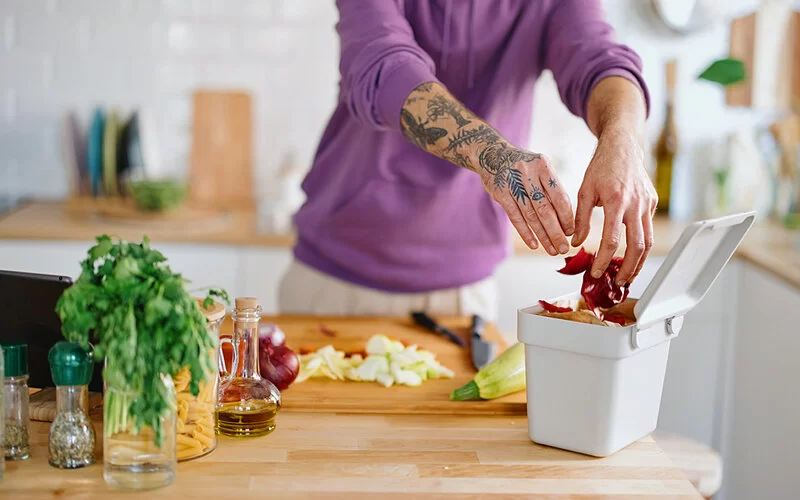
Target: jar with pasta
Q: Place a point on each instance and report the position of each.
(196, 414)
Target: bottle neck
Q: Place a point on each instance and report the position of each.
(71, 398)
(245, 338)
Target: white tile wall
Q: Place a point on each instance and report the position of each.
(57, 55)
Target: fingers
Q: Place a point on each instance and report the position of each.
(635, 248)
(612, 226)
(647, 227)
(560, 201)
(519, 223)
(586, 203)
(540, 209)
(525, 206)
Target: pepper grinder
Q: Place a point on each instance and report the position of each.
(17, 399)
(71, 440)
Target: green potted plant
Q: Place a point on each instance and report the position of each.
(145, 326)
(725, 72)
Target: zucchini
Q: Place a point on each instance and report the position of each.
(504, 375)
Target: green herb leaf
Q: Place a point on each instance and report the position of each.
(725, 72)
(144, 325)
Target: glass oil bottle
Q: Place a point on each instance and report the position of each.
(247, 403)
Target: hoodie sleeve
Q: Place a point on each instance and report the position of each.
(580, 49)
(381, 62)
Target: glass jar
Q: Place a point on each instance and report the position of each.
(196, 414)
(71, 440)
(17, 399)
(248, 403)
(134, 460)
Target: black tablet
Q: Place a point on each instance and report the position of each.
(27, 315)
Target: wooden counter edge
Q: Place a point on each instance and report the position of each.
(27, 223)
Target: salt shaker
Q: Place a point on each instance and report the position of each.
(15, 389)
(71, 440)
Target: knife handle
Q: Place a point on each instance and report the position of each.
(478, 324)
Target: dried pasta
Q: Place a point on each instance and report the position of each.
(195, 416)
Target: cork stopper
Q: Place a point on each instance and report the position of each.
(215, 311)
(246, 302)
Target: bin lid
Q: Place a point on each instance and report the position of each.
(691, 267)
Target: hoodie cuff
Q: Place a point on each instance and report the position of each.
(398, 84)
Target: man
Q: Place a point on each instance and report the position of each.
(420, 169)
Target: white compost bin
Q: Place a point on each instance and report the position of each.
(595, 389)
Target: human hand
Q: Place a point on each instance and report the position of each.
(527, 188)
(617, 180)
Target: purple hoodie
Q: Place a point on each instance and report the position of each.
(386, 215)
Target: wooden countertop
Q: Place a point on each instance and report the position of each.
(772, 248)
(370, 456)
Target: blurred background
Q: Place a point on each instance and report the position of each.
(194, 121)
(150, 56)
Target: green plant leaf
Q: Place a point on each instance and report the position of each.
(725, 72)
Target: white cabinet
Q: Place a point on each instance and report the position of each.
(699, 360)
(46, 257)
(242, 271)
(261, 272)
(761, 452)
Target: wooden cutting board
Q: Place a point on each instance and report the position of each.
(221, 169)
(351, 334)
(742, 47)
(42, 405)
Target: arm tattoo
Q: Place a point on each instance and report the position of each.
(416, 132)
(494, 154)
(481, 134)
(498, 159)
(553, 183)
(440, 106)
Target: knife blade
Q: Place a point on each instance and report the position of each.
(483, 351)
(422, 319)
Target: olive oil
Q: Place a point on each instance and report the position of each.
(246, 418)
(667, 147)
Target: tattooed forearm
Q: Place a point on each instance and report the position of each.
(466, 137)
(440, 106)
(478, 147)
(417, 133)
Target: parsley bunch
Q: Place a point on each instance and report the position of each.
(143, 323)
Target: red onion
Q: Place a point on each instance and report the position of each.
(271, 332)
(279, 364)
(602, 292)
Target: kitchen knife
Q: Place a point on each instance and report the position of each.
(425, 321)
(483, 351)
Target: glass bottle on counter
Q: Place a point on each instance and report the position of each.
(248, 403)
(667, 146)
(71, 440)
(17, 399)
(134, 459)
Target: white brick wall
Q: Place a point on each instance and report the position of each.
(57, 55)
